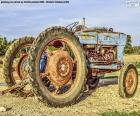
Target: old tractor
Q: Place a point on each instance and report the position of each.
(62, 62)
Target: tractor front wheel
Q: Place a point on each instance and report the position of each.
(128, 81)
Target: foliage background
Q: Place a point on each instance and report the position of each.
(4, 44)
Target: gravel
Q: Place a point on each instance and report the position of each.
(101, 100)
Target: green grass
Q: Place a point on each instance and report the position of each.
(137, 64)
(116, 113)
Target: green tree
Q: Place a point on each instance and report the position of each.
(136, 49)
(3, 45)
(128, 48)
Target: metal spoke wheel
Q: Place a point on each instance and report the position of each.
(15, 61)
(63, 77)
(128, 81)
(59, 69)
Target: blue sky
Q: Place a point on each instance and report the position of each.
(17, 20)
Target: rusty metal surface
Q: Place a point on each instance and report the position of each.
(22, 67)
(12, 89)
(130, 81)
(59, 67)
(16, 70)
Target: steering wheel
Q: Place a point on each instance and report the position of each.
(72, 25)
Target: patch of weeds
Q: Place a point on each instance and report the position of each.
(116, 113)
(138, 64)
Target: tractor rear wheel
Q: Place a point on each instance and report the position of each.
(64, 76)
(15, 61)
(128, 81)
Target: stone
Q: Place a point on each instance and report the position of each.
(3, 109)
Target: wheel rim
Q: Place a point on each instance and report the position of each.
(59, 68)
(18, 59)
(62, 70)
(131, 81)
(22, 67)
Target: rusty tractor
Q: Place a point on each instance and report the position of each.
(62, 62)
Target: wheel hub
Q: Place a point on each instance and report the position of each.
(59, 67)
(64, 67)
(130, 80)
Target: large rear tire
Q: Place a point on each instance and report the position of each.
(39, 88)
(9, 59)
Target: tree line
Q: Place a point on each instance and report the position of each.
(129, 49)
(4, 44)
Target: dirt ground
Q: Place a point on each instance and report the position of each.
(102, 100)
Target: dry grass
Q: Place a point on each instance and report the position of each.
(104, 99)
(132, 58)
